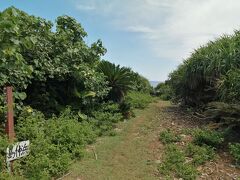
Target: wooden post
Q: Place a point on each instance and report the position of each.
(10, 122)
(9, 128)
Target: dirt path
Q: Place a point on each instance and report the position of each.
(135, 152)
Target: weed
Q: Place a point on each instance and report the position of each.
(199, 154)
(235, 152)
(187, 172)
(172, 158)
(208, 137)
(167, 137)
(138, 99)
(174, 164)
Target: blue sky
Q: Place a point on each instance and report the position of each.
(150, 36)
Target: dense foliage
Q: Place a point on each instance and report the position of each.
(211, 74)
(47, 69)
(119, 79)
(65, 95)
(182, 158)
(138, 99)
(164, 91)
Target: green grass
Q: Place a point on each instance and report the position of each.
(199, 154)
(167, 137)
(235, 152)
(124, 156)
(174, 164)
(208, 137)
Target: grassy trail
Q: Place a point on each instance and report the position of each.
(131, 154)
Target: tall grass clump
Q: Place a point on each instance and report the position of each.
(210, 74)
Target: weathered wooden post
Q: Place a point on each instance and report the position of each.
(9, 128)
(19, 149)
(10, 122)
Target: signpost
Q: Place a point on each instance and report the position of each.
(19, 149)
(9, 128)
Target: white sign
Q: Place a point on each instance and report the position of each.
(18, 150)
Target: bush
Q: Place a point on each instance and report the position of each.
(105, 117)
(138, 99)
(235, 152)
(167, 137)
(126, 109)
(174, 164)
(54, 142)
(164, 91)
(187, 172)
(223, 112)
(199, 154)
(208, 137)
(3, 147)
(104, 122)
(172, 158)
(210, 73)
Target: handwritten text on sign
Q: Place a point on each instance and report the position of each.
(18, 150)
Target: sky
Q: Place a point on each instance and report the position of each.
(151, 36)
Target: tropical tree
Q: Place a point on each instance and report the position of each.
(48, 70)
(141, 83)
(120, 79)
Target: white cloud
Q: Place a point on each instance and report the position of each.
(172, 28)
(139, 29)
(85, 7)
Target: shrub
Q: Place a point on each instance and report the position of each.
(54, 142)
(126, 110)
(172, 158)
(69, 134)
(187, 172)
(229, 86)
(3, 147)
(199, 154)
(104, 120)
(208, 137)
(174, 164)
(167, 137)
(235, 152)
(164, 91)
(138, 99)
(196, 81)
(223, 112)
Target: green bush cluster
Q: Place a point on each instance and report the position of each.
(50, 70)
(138, 99)
(54, 142)
(211, 140)
(182, 162)
(211, 73)
(174, 164)
(167, 137)
(3, 147)
(208, 137)
(235, 152)
(104, 119)
(199, 154)
(164, 91)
